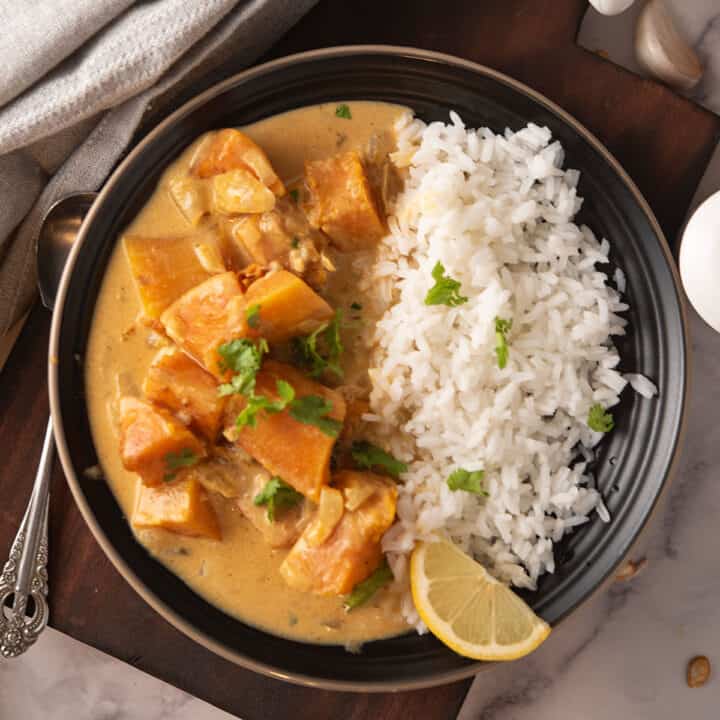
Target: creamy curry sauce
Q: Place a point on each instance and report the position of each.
(240, 573)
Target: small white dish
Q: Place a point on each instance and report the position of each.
(700, 261)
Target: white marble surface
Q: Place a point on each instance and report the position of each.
(622, 656)
(63, 679)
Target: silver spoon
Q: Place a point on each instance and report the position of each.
(24, 609)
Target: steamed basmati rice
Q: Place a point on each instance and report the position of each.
(497, 210)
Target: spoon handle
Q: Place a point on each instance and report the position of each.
(24, 576)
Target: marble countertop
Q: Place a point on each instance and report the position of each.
(622, 655)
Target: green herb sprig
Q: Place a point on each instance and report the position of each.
(321, 350)
(468, 481)
(599, 420)
(502, 328)
(314, 410)
(244, 358)
(256, 403)
(277, 495)
(252, 315)
(363, 591)
(446, 291)
(176, 461)
(370, 456)
(343, 111)
(309, 409)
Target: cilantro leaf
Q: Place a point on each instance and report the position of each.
(176, 461)
(295, 243)
(465, 480)
(285, 391)
(276, 495)
(295, 195)
(369, 456)
(252, 314)
(314, 410)
(256, 403)
(355, 306)
(363, 591)
(502, 328)
(244, 358)
(599, 420)
(446, 291)
(343, 111)
(326, 357)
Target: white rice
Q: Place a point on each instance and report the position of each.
(497, 211)
(641, 385)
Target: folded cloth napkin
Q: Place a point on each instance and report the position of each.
(77, 76)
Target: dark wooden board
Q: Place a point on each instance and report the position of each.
(664, 142)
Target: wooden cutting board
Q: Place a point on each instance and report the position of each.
(663, 141)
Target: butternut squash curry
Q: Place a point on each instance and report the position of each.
(224, 396)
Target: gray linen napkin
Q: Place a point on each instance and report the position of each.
(77, 76)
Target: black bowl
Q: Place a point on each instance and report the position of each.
(633, 465)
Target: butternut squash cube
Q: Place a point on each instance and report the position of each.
(352, 551)
(229, 149)
(296, 452)
(205, 317)
(166, 267)
(151, 439)
(178, 383)
(288, 306)
(182, 507)
(342, 202)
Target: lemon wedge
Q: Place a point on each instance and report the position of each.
(468, 609)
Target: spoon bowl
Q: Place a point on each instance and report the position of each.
(58, 231)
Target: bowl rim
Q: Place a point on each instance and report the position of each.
(197, 101)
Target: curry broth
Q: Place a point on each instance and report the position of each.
(239, 574)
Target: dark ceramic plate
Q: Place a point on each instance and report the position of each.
(633, 465)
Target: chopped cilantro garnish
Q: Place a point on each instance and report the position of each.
(256, 403)
(319, 359)
(369, 456)
(244, 358)
(252, 314)
(363, 591)
(343, 111)
(285, 391)
(309, 409)
(599, 420)
(295, 243)
(275, 495)
(446, 291)
(176, 461)
(295, 194)
(356, 306)
(314, 410)
(502, 328)
(465, 480)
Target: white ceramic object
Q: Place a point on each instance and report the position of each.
(700, 261)
(662, 50)
(611, 7)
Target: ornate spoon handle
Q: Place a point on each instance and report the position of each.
(24, 576)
